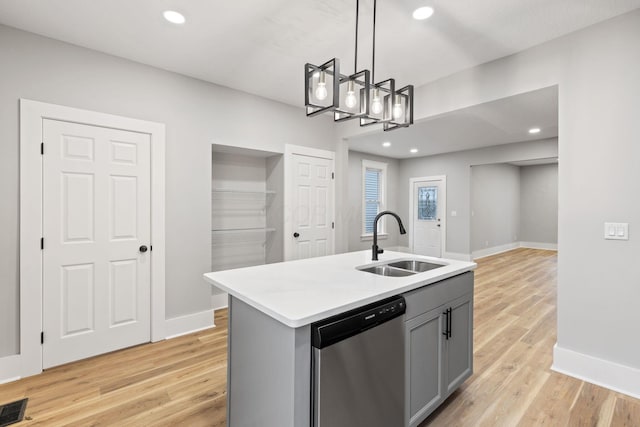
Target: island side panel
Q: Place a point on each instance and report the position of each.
(269, 372)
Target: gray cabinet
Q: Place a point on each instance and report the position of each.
(439, 344)
(459, 345)
(424, 365)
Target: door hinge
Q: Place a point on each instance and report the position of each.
(150, 247)
(333, 175)
(41, 337)
(333, 225)
(41, 243)
(42, 148)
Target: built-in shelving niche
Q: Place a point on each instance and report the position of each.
(246, 207)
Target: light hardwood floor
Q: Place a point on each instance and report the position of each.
(182, 381)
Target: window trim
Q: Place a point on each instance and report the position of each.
(382, 168)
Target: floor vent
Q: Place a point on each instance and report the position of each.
(13, 412)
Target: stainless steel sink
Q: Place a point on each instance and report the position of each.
(414, 265)
(401, 268)
(385, 270)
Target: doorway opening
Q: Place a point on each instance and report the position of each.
(514, 204)
(105, 195)
(247, 212)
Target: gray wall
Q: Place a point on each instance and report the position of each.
(457, 167)
(539, 203)
(196, 115)
(355, 200)
(495, 205)
(275, 212)
(596, 70)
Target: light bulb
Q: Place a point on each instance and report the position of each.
(397, 111)
(321, 90)
(376, 103)
(350, 100)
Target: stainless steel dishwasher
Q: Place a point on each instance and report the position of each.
(358, 367)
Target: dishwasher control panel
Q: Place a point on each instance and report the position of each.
(342, 326)
(380, 314)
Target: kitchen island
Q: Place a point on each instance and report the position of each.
(272, 307)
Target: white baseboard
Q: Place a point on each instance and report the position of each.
(538, 245)
(220, 300)
(189, 323)
(10, 368)
(616, 377)
(457, 256)
(494, 250)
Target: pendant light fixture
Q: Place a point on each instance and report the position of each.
(357, 96)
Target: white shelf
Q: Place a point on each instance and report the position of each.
(230, 191)
(243, 230)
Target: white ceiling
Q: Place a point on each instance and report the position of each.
(261, 46)
(503, 121)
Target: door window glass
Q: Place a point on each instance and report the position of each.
(427, 203)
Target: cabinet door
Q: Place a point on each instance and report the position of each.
(459, 347)
(424, 365)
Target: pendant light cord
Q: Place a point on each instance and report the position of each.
(355, 59)
(373, 58)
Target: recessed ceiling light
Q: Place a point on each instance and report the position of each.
(174, 17)
(534, 130)
(414, 150)
(386, 144)
(422, 13)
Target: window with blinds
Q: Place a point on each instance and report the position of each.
(374, 186)
(371, 198)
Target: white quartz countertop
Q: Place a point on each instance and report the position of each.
(300, 292)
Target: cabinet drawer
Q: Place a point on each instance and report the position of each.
(431, 296)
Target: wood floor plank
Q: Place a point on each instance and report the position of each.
(590, 406)
(626, 413)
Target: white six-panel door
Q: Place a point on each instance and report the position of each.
(96, 279)
(312, 207)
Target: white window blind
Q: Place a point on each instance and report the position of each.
(373, 194)
(371, 197)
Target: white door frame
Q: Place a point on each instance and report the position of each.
(443, 200)
(289, 151)
(31, 210)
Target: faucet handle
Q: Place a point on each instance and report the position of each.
(380, 250)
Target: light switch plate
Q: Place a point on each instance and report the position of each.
(616, 230)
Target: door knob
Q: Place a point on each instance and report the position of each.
(143, 249)
(296, 234)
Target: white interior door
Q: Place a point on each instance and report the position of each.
(96, 275)
(312, 206)
(427, 217)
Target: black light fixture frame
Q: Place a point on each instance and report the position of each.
(365, 80)
(406, 96)
(331, 68)
(386, 88)
(361, 79)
